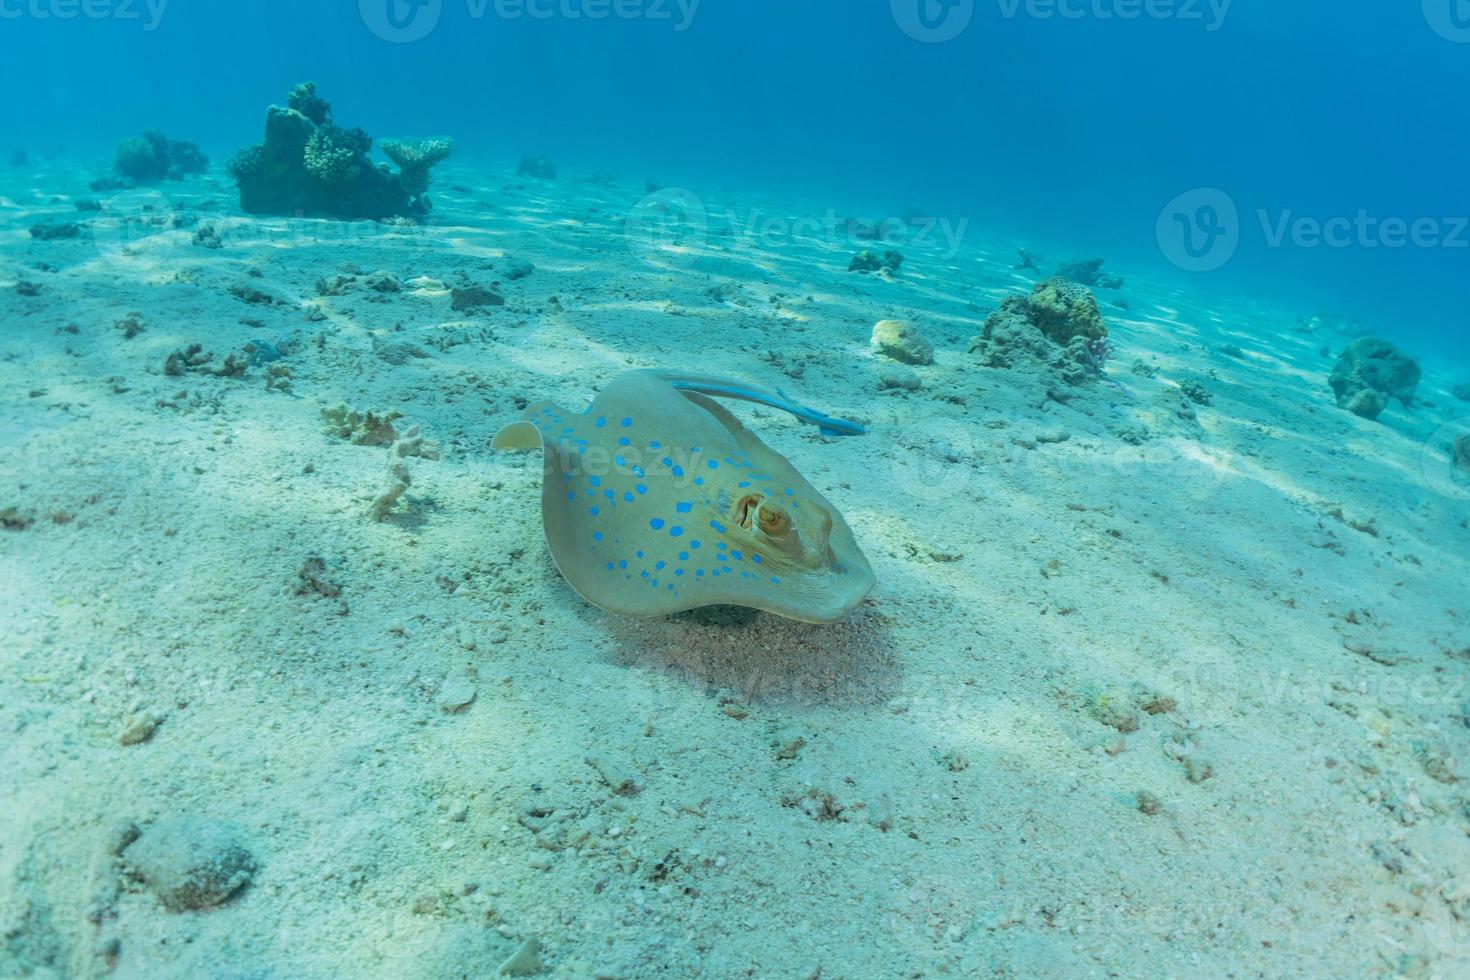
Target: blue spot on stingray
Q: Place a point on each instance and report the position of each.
(628, 496)
(667, 462)
(656, 523)
(641, 488)
(713, 464)
(658, 566)
(609, 566)
(694, 544)
(744, 483)
(626, 422)
(596, 481)
(676, 531)
(638, 471)
(679, 471)
(601, 421)
(678, 571)
(596, 535)
(684, 507)
(756, 559)
(608, 494)
(625, 441)
(638, 554)
(572, 495)
(653, 444)
(699, 574)
(735, 554)
(620, 461)
(775, 580)
(623, 564)
(594, 511)
(722, 546)
(683, 556)
(718, 527)
(699, 481)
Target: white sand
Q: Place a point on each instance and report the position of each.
(925, 789)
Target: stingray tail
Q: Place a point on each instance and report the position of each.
(728, 388)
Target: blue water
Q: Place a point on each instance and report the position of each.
(1074, 131)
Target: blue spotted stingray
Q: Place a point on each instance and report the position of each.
(656, 500)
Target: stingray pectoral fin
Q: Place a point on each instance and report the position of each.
(517, 436)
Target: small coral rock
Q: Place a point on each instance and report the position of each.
(1062, 309)
(899, 340)
(474, 298)
(1058, 325)
(191, 863)
(1370, 372)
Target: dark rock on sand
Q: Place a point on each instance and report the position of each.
(190, 862)
(1369, 373)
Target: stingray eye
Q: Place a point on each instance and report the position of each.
(746, 508)
(773, 519)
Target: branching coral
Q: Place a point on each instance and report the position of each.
(415, 158)
(330, 159)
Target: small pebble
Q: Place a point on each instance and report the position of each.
(139, 727)
(458, 690)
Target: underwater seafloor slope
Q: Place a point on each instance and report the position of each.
(1150, 684)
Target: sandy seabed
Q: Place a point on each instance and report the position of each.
(1137, 694)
